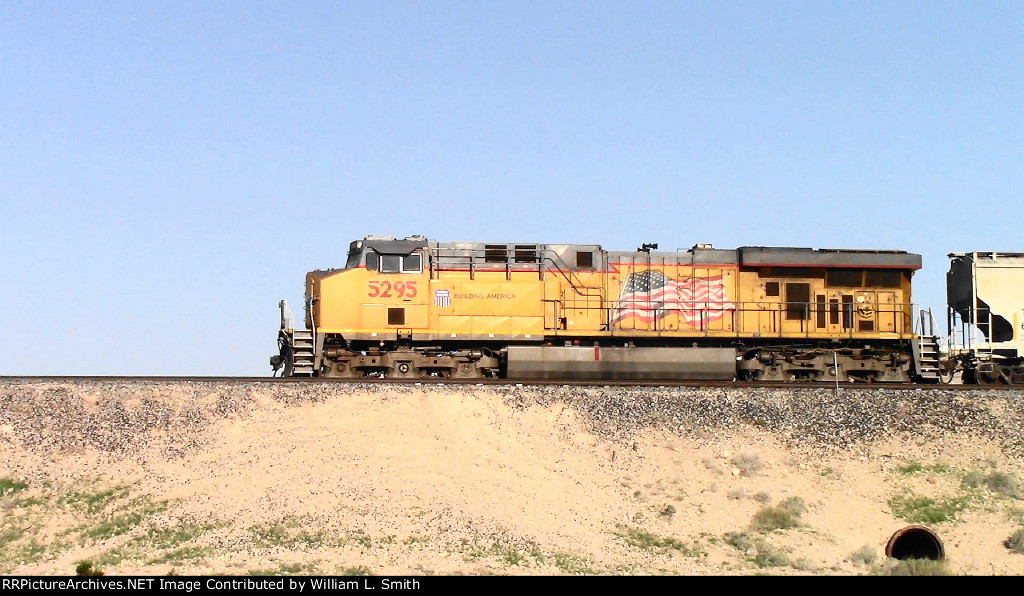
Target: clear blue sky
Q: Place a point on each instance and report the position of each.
(171, 170)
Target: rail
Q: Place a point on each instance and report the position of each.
(441, 382)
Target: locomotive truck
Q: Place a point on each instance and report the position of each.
(415, 308)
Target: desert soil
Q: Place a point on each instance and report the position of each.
(199, 478)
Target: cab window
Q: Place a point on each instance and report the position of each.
(394, 263)
(390, 263)
(412, 263)
(354, 257)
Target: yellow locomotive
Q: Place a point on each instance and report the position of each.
(414, 307)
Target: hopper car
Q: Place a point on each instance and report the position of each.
(417, 308)
(985, 318)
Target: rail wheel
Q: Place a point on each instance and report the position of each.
(750, 375)
(983, 375)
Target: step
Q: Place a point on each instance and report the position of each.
(303, 357)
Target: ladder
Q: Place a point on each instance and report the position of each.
(926, 349)
(926, 358)
(296, 345)
(301, 364)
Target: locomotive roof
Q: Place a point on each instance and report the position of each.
(761, 256)
(987, 254)
(827, 257)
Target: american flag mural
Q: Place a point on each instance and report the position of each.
(652, 296)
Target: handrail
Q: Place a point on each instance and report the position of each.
(894, 315)
(711, 316)
(561, 267)
(473, 257)
(287, 318)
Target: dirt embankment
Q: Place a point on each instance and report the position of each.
(203, 478)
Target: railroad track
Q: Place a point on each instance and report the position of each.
(516, 382)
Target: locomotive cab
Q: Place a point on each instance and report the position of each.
(382, 285)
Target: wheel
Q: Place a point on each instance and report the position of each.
(987, 376)
(749, 375)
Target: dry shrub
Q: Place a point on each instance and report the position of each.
(1016, 542)
(748, 463)
(783, 516)
(914, 567)
(864, 555)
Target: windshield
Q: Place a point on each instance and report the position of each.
(355, 255)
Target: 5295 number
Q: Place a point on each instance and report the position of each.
(386, 289)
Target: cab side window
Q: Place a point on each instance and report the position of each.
(412, 263)
(390, 263)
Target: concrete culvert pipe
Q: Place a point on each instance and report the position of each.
(915, 542)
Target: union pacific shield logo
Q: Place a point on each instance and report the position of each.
(442, 298)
